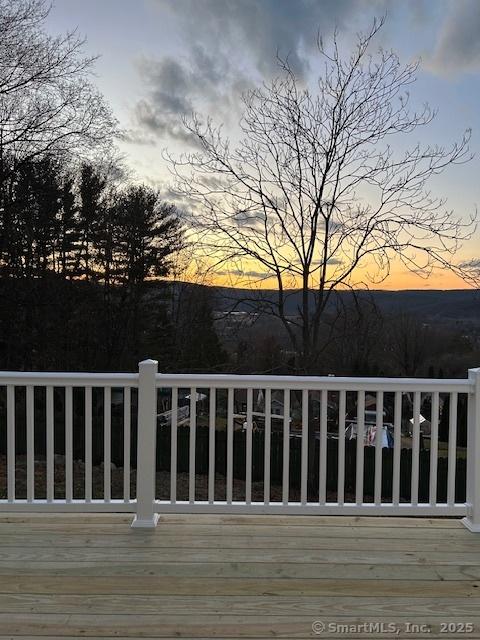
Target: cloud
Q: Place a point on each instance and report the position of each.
(474, 264)
(136, 136)
(458, 44)
(150, 117)
(319, 261)
(169, 83)
(261, 29)
(168, 87)
(228, 47)
(246, 274)
(177, 88)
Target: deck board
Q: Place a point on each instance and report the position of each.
(75, 575)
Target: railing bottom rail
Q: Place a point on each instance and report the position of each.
(365, 509)
(62, 506)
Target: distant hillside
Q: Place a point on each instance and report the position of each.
(438, 307)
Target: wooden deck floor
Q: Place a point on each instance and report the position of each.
(235, 577)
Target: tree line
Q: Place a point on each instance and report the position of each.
(78, 248)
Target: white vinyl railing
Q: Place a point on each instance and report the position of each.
(20, 419)
(240, 444)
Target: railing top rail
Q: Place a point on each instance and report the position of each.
(68, 379)
(332, 383)
(219, 381)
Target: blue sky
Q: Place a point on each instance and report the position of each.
(162, 58)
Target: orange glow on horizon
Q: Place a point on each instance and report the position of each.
(400, 281)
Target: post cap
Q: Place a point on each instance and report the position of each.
(148, 366)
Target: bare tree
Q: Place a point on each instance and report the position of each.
(314, 195)
(47, 102)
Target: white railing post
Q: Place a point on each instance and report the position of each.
(146, 445)
(472, 521)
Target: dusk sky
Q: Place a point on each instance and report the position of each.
(161, 59)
